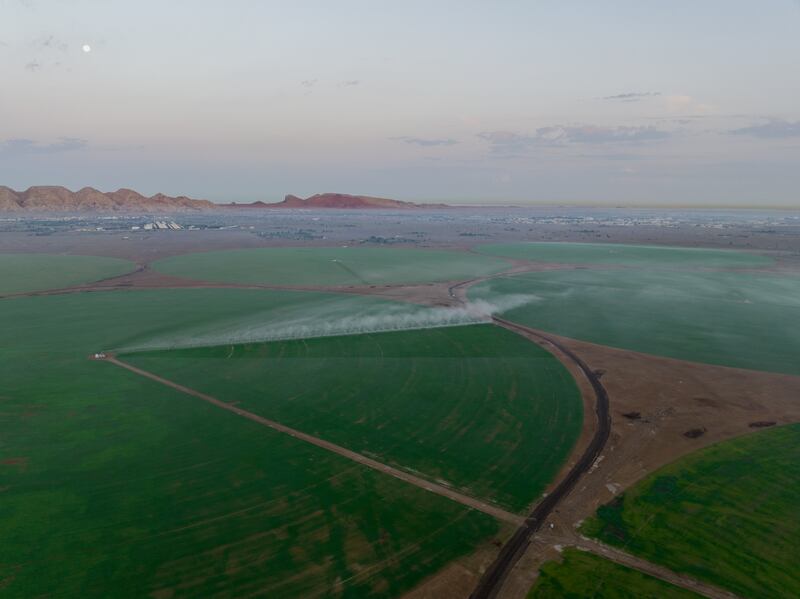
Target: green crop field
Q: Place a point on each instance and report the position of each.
(726, 514)
(116, 486)
(111, 481)
(648, 256)
(477, 406)
(732, 319)
(21, 273)
(584, 575)
(330, 266)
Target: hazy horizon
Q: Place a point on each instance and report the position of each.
(544, 102)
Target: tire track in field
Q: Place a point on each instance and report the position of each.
(417, 481)
(631, 561)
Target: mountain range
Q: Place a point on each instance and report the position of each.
(338, 200)
(50, 198)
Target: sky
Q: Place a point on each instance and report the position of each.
(621, 102)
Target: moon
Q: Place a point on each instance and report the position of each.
(86, 48)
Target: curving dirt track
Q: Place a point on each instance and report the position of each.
(490, 583)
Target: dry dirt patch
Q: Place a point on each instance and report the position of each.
(654, 401)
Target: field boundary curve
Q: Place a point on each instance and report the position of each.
(492, 580)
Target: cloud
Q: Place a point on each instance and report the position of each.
(22, 147)
(561, 135)
(631, 96)
(33, 66)
(308, 82)
(420, 141)
(350, 83)
(619, 156)
(52, 42)
(687, 104)
(774, 129)
(507, 141)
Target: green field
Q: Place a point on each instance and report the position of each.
(111, 481)
(731, 319)
(340, 266)
(726, 514)
(585, 576)
(647, 256)
(21, 273)
(479, 407)
(114, 482)
(115, 486)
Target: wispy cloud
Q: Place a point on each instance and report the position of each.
(21, 147)
(350, 83)
(631, 96)
(51, 42)
(619, 156)
(774, 129)
(427, 142)
(684, 104)
(308, 82)
(561, 135)
(33, 66)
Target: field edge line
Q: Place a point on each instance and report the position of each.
(416, 481)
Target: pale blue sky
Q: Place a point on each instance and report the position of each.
(618, 101)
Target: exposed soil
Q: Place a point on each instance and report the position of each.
(18, 462)
(460, 577)
(694, 433)
(672, 397)
(631, 561)
(494, 578)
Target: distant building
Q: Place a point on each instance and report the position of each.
(161, 225)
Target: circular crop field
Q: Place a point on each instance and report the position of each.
(727, 318)
(648, 256)
(343, 266)
(20, 273)
(170, 480)
(479, 407)
(726, 514)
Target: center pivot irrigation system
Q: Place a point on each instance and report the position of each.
(492, 580)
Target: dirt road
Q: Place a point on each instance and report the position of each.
(492, 580)
(471, 502)
(626, 559)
